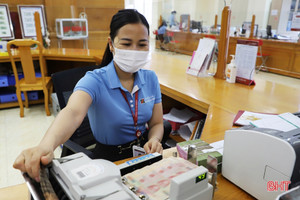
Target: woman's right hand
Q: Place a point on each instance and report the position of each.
(30, 160)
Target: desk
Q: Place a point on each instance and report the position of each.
(65, 54)
(226, 190)
(220, 101)
(19, 192)
(82, 57)
(284, 55)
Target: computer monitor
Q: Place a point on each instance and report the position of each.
(196, 25)
(199, 25)
(246, 26)
(269, 31)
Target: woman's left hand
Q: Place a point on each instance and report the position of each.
(153, 145)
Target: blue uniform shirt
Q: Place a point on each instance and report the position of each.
(162, 30)
(109, 114)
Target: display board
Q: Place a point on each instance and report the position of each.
(6, 28)
(26, 16)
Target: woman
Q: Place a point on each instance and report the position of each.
(122, 100)
(162, 31)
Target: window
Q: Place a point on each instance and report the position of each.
(294, 16)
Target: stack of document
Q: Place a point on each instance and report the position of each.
(202, 58)
(179, 116)
(282, 122)
(180, 121)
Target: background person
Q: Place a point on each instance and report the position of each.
(172, 20)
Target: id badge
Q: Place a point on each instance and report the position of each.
(137, 151)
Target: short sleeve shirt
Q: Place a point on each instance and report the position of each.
(162, 30)
(109, 114)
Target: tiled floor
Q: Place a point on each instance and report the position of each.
(18, 133)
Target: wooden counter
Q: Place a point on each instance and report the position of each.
(284, 59)
(65, 54)
(219, 99)
(19, 192)
(80, 55)
(225, 191)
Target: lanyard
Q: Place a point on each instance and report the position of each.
(135, 115)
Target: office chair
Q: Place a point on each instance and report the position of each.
(269, 31)
(64, 83)
(263, 56)
(30, 82)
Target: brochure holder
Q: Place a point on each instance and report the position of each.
(202, 58)
(245, 59)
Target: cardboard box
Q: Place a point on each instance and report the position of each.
(202, 155)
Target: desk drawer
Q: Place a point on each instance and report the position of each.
(12, 97)
(3, 81)
(12, 81)
(9, 97)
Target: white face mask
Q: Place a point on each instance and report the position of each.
(131, 60)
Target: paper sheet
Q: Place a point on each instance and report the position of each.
(248, 117)
(245, 60)
(282, 122)
(217, 146)
(197, 63)
(180, 116)
(201, 57)
(186, 130)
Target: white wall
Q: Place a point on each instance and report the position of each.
(205, 10)
(239, 10)
(261, 9)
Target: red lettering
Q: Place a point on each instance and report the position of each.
(270, 186)
(274, 185)
(286, 184)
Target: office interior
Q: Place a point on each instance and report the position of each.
(279, 76)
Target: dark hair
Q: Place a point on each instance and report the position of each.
(163, 23)
(120, 19)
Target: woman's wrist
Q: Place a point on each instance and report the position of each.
(156, 137)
